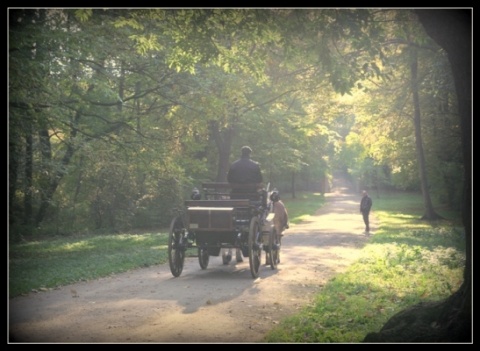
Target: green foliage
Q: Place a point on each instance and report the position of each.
(121, 107)
(384, 132)
(83, 15)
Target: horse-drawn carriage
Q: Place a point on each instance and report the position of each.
(222, 220)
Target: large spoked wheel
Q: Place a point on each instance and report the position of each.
(274, 246)
(203, 257)
(254, 247)
(176, 246)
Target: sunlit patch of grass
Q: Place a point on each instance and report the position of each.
(303, 205)
(407, 261)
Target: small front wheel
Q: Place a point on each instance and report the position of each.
(203, 257)
(176, 247)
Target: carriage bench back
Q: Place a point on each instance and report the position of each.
(222, 190)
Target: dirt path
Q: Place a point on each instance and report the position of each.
(221, 304)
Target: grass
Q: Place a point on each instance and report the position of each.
(405, 262)
(302, 206)
(55, 262)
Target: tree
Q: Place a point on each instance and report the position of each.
(449, 320)
(430, 213)
(96, 110)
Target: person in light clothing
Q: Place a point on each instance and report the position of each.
(280, 219)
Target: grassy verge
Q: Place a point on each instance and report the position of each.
(60, 261)
(302, 206)
(405, 262)
(48, 263)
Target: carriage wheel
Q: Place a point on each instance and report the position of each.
(239, 256)
(203, 257)
(254, 249)
(274, 246)
(226, 256)
(176, 249)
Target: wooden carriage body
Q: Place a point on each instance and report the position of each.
(225, 216)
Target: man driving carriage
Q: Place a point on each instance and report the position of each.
(217, 223)
(244, 171)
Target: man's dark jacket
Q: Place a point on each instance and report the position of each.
(366, 204)
(244, 170)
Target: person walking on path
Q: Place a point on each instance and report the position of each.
(365, 207)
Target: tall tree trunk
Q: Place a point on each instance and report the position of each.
(58, 175)
(27, 201)
(223, 141)
(452, 30)
(121, 86)
(13, 157)
(422, 168)
(78, 187)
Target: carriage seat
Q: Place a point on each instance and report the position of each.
(223, 190)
